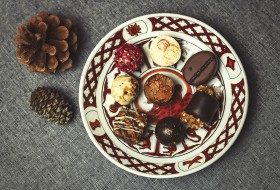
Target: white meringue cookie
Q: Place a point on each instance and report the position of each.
(124, 89)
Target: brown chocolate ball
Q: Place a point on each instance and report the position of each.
(159, 89)
(170, 131)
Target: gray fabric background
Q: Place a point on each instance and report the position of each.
(35, 154)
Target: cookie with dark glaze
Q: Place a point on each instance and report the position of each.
(200, 68)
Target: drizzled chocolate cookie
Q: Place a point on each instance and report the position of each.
(129, 125)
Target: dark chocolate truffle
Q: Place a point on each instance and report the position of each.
(159, 89)
(200, 68)
(170, 131)
(203, 106)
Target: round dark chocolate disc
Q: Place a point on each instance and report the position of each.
(170, 131)
(200, 68)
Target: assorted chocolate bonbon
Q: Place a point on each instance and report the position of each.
(129, 125)
(200, 68)
(159, 90)
(170, 131)
(128, 58)
(165, 51)
(201, 109)
(124, 89)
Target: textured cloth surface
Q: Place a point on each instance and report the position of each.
(35, 154)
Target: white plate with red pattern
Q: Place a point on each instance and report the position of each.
(149, 158)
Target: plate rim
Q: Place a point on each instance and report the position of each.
(87, 127)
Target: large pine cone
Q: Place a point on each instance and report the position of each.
(48, 103)
(46, 42)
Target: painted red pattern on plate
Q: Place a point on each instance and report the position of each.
(238, 92)
(193, 161)
(133, 29)
(131, 162)
(94, 70)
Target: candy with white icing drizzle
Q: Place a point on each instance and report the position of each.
(129, 125)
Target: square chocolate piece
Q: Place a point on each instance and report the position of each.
(129, 125)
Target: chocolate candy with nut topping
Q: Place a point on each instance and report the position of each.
(203, 106)
(201, 109)
(159, 89)
(200, 68)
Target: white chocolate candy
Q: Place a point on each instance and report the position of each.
(124, 89)
(165, 50)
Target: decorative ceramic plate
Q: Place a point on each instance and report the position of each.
(149, 158)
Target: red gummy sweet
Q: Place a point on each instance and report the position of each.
(128, 58)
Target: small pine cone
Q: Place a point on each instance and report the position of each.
(46, 43)
(48, 103)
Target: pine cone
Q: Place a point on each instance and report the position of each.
(46, 43)
(48, 103)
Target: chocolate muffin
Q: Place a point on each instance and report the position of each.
(159, 89)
